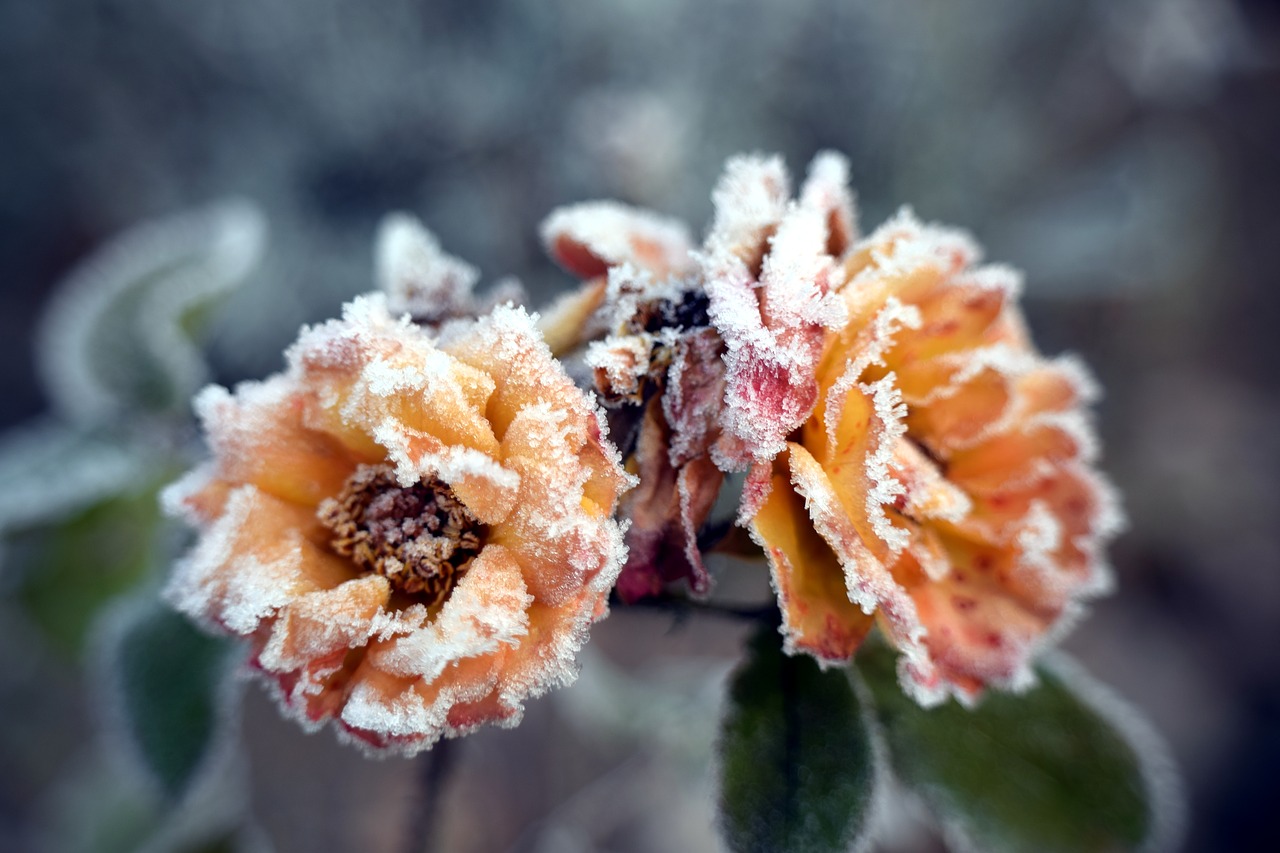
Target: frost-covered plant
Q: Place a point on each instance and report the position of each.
(415, 532)
(414, 526)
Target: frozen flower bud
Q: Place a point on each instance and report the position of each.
(414, 534)
(643, 316)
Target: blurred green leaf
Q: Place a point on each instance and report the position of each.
(68, 571)
(98, 809)
(95, 811)
(171, 679)
(51, 470)
(117, 336)
(1040, 771)
(797, 760)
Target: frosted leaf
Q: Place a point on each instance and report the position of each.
(115, 337)
(166, 694)
(51, 470)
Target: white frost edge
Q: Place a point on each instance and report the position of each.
(214, 247)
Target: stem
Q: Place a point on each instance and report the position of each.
(432, 772)
(682, 606)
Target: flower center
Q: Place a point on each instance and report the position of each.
(419, 537)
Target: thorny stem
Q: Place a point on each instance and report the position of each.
(424, 817)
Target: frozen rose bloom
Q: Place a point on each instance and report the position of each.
(642, 315)
(914, 461)
(414, 533)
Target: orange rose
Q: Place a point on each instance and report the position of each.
(413, 533)
(914, 461)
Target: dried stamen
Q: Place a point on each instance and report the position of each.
(419, 537)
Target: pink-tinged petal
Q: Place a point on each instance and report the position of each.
(826, 190)
(587, 239)
(749, 201)
(773, 313)
(666, 511)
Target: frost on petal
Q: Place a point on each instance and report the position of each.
(573, 317)
(944, 463)
(772, 283)
(818, 616)
(413, 532)
(419, 278)
(826, 190)
(589, 238)
(666, 512)
(749, 201)
(423, 281)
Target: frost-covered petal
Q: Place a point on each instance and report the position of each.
(413, 532)
(944, 462)
(589, 238)
(818, 617)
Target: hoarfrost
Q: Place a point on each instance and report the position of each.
(589, 238)
(112, 337)
(51, 470)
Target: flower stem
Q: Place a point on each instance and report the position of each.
(424, 818)
(682, 606)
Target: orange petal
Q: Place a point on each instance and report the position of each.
(818, 616)
(258, 437)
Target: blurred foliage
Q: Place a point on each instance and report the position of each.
(171, 683)
(797, 763)
(71, 569)
(1042, 770)
(85, 543)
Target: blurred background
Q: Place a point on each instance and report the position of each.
(1124, 153)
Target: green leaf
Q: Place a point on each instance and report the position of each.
(51, 470)
(68, 571)
(1046, 770)
(797, 759)
(117, 336)
(171, 683)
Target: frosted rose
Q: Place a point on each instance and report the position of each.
(914, 461)
(413, 533)
(655, 362)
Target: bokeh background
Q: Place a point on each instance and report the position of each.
(1124, 153)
